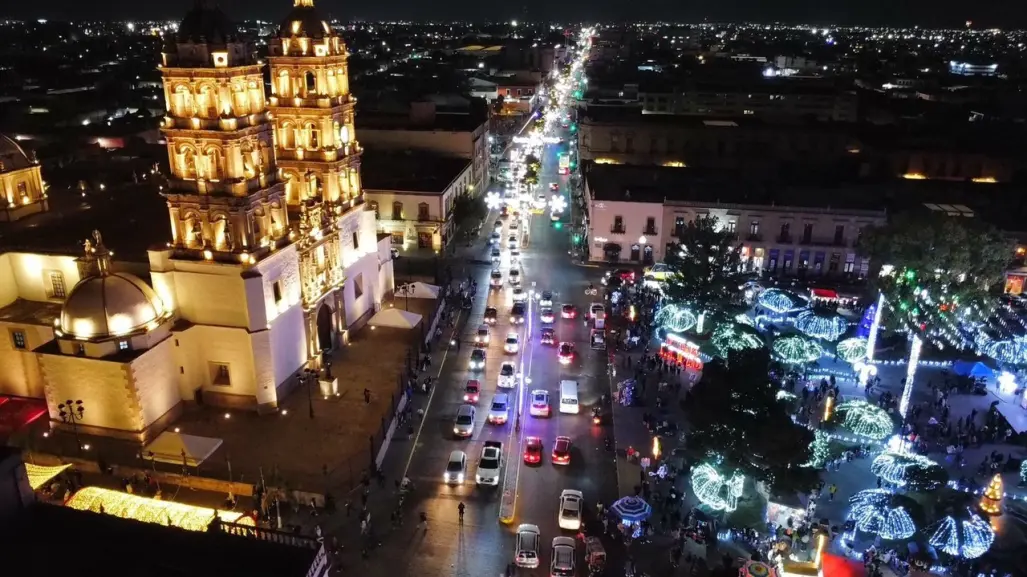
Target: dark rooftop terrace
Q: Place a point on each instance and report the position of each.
(409, 170)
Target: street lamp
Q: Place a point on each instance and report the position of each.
(71, 413)
(310, 376)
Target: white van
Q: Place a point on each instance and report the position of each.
(569, 397)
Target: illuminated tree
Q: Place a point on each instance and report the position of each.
(704, 266)
(738, 423)
(991, 501)
(935, 272)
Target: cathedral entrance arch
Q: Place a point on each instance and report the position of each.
(325, 328)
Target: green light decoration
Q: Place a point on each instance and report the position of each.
(717, 491)
(865, 419)
(820, 450)
(796, 350)
(852, 350)
(732, 337)
(676, 319)
(1023, 471)
(909, 470)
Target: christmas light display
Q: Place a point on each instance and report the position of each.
(866, 324)
(852, 350)
(1023, 471)
(900, 468)
(874, 512)
(728, 337)
(991, 501)
(126, 506)
(818, 326)
(720, 493)
(797, 350)
(866, 419)
(676, 318)
(1010, 351)
(967, 538)
(781, 301)
(820, 450)
(40, 475)
(907, 390)
(744, 319)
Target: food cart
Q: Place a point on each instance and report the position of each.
(597, 339)
(595, 555)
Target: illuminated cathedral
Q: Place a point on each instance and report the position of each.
(273, 257)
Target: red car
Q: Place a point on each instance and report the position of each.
(568, 312)
(471, 392)
(548, 336)
(533, 450)
(562, 451)
(566, 353)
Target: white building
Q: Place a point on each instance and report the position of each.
(635, 213)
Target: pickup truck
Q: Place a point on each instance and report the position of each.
(490, 463)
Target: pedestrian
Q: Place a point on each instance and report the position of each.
(313, 507)
(367, 397)
(832, 490)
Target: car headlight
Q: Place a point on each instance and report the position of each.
(513, 320)
(460, 477)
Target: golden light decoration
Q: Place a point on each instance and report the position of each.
(991, 501)
(40, 475)
(147, 510)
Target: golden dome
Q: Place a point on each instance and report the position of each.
(12, 157)
(108, 304)
(304, 21)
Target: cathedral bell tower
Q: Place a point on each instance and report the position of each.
(224, 197)
(315, 144)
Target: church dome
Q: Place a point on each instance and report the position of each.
(304, 21)
(12, 157)
(206, 23)
(109, 305)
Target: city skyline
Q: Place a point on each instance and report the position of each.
(944, 14)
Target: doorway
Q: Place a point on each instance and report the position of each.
(325, 330)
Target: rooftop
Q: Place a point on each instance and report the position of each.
(28, 312)
(633, 115)
(103, 544)
(409, 171)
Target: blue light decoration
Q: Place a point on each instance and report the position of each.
(865, 419)
(820, 450)
(896, 467)
(719, 492)
(796, 350)
(852, 350)
(1023, 471)
(731, 337)
(867, 322)
(966, 538)
(818, 326)
(676, 319)
(873, 513)
(1011, 351)
(781, 302)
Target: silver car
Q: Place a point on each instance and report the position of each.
(526, 549)
(463, 424)
(456, 468)
(563, 563)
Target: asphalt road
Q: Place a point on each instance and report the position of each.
(483, 545)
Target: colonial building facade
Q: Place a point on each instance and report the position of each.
(22, 190)
(273, 256)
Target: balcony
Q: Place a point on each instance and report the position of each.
(324, 154)
(823, 241)
(754, 237)
(615, 229)
(312, 101)
(784, 239)
(650, 231)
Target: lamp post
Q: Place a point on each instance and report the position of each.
(310, 376)
(71, 413)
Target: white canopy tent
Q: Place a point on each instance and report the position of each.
(174, 448)
(418, 290)
(395, 318)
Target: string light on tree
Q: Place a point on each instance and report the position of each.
(720, 493)
(781, 301)
(820, 450)
(728, 337)
(676, 319)
(818, 326)
(126, 506)
(1023, 471)
(898, 468)
(916, 346)
(797, 350)
(852, 350)
(966, 538)
(875, 512)
(866, 419)
(991, 501)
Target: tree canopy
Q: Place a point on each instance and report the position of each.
(936, 271)
(704, 266)
(737, 420)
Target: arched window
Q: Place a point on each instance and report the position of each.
(373, 205)
(422, 211)
(287, 136)
(313, 136)
(284, 90)
(215, 164)
(208, 100)
(182, 102)
(292, 189)
(311, 83)
(397, 210)
(188, 163)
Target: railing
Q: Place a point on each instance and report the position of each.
(269, 535)
(784, 238)
(755, 237)
(617, 229)
(650, 230)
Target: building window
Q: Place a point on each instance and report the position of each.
(122, 345)
(839, 234)
(220, 375)
(731, 225)
(276, 289)
(358, 286)
(650, 225)
(356, 241)
(850, 263)
(373, 205)
(422, 212)
(618, 224)
(18, 339)
(397, 211)
(807, 232)
(81, 350)
(754, 228)
(679, 226)
(23, 189)
(57, 288)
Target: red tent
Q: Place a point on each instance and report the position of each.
(838, 566)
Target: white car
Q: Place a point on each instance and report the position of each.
(512, 344)
(496, 278)
(515, 257)
(463, 424)
(490, 463)
(526, 549)
(511, 242)
(514, 225)
(539, 403)
(483, 335)
(546, 299)
(499, 411)
(596, 309)
(563, 558)
(507, 375)
(456, 468)
(515, 277)
(494, 237)
(571, 503)
(519, 296)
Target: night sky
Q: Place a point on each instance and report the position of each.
(938, 13)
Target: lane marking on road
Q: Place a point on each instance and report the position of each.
(431, 395)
